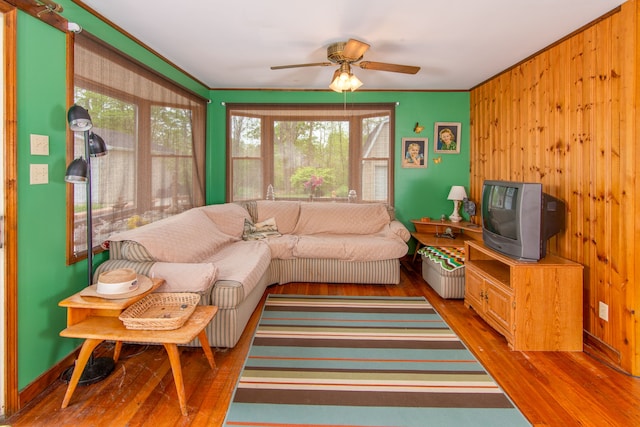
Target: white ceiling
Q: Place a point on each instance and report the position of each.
(457, 43)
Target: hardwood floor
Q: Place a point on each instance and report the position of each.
(550, 388)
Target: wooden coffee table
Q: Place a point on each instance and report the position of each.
(97, 321)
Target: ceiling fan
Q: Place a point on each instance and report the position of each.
(347, 54)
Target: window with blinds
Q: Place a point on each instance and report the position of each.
(155, 134)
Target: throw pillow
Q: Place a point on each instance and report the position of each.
(260, 230)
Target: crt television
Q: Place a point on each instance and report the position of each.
(518, 218)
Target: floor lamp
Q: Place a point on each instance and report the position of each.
(79, 172)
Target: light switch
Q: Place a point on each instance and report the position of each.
(39, 174)
(39, 145)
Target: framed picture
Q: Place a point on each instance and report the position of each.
(446, 137)
(414, 152)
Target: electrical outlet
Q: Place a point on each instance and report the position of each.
(39, 174)
(39, 145)
(603, 311)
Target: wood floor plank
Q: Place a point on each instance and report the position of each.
(550, 388)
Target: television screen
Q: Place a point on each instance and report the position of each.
(502, 202)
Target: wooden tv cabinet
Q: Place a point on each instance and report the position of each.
(534, 305)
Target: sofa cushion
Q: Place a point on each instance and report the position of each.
(244, 261)
(187, 237)
(229, 217)
(350, 247)
(285, 212)
(341, 218)
(282, 247)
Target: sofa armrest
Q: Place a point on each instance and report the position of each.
(185, 277)
(399, 229)
(179, 277)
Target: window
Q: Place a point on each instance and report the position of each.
(310, 151)
(155, 134)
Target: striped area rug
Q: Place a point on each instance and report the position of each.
(363, 361)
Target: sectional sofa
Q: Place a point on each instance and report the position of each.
(229, 253)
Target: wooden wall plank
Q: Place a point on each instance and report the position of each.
(629, 263)
(575, 183)
(601, 180)
(588, 127)
(567, 118)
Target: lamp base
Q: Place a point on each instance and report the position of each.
(95, 371)
(455, 215)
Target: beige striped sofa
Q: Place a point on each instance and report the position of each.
(210, 250)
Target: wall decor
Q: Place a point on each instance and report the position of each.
(446, 137)
(414, 152)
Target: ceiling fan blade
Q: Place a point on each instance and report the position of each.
(382, 66)
(315, 64)
(354, 49)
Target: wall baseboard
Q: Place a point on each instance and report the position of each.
(38, 385)
(600, 350)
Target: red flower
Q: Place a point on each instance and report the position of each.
(313, 183)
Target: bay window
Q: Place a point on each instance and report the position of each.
(303, 151)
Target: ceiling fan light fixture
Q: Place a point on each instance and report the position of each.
(343, 79)
(346, 54)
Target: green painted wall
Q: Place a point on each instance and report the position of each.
(43, 276)
(44, 279)
(418, 192)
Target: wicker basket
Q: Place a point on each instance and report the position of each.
(160, 311)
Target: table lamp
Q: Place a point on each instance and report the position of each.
(457, 194)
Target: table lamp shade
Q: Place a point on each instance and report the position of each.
(457, 193)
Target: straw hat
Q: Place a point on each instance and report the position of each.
(118, 284)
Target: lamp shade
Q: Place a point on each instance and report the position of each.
(354, 82)
(77, 171)
(343, 79)
(457, 193)
(79, 119)
(97, 146)
(335, 82)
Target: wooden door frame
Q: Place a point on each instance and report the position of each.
(10, 384)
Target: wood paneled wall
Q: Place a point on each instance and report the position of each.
(567, 117)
